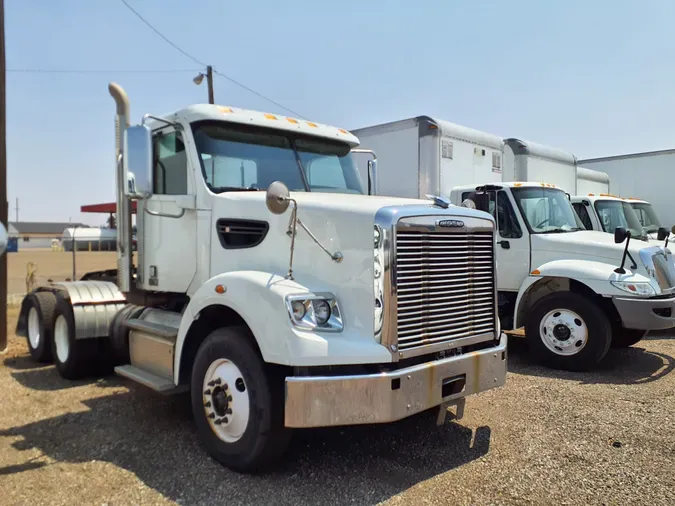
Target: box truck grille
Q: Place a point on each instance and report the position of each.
(445, 285)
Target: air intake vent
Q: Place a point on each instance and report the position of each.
(237, 234)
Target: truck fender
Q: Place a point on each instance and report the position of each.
(558, 275)
(257, 297)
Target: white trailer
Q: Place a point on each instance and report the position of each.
(443, 152)
(591, 181)
(645, 176)
(273, 288)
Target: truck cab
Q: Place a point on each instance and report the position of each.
(577, 292)
(649, 220)
(273, 288)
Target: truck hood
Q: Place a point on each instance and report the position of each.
(589, 244)
(340, 222)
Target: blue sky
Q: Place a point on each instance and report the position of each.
(592, 77)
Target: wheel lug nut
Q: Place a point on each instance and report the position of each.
(207, 405)
(207, 392)
(211, 383)
(229, 398)
(219, 421)
(225, 387)
(211, 415)
(225, 420)
(228, 411)
(217, 381)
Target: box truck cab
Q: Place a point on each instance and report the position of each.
(605, 213)
(576, 292)
(648, 218)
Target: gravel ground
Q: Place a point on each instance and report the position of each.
(545, 438)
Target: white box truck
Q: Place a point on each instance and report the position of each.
(591, 181)
(270, 286)
(576, 292)
(644, 177)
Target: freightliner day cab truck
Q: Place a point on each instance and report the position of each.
(576, 292)
(272, 288)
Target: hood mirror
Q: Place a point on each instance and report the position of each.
(620, 235)
(662, 233)
(278, 198)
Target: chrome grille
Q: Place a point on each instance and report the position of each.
(445, 286)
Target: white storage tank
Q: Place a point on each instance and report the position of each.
(89, 239)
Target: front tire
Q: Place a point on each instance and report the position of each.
(568, 331)
(237, 402)
(624, 338)
(73, 358)
(39, 329)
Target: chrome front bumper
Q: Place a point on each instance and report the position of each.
(324, 401)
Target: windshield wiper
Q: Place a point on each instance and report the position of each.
(222, 189)
(561, 230)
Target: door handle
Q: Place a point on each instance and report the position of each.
(504, 244)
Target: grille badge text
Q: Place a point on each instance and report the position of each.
(450, 223)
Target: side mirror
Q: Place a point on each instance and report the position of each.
(278, 198)
(137, 160)
(672, 229)
(620, 235)
(662, 233)
(372, 177)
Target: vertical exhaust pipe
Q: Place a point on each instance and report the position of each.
(124, 252)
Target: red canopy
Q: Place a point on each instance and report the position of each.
(110, 207)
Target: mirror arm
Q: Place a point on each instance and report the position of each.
(620, 269)
(291, 233)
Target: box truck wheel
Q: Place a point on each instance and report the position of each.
(566, 330)
(238, 404)
(74, 358)
(623, 338)
(40, 313)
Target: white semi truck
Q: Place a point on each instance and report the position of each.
(576, 292)
(272, 288)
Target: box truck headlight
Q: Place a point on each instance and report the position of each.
(315, 312)
(642, 289)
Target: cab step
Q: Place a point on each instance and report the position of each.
(150, 380)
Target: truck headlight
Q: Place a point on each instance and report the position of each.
(635, 288)
(315, 312)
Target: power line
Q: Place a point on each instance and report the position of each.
(98, 71)
(260, 95)
(234, 81)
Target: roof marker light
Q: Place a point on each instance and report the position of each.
(292, 120)
(313, 125)
(225, 110)
(270, 116)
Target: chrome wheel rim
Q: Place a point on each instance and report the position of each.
(61, 339)
(33, 328)
(226, 400)
(563, 332)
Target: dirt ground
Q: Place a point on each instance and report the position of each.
(547, 437)
(55, 265)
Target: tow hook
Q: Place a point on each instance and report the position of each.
(444, 408)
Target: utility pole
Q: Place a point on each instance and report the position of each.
(4, 204)
(209, 81)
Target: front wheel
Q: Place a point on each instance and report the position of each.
(568, 331)
(237, 402)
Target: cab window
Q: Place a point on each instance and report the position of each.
(169, 164)
(507, 220)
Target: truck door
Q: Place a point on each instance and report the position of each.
(169, 227)
(584, 215)
(513, 245)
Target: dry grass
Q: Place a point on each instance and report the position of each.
(55, 265)
(547, 437)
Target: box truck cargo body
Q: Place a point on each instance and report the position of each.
(424, 155)
(646, 176)
(591, 181)
(529, 161)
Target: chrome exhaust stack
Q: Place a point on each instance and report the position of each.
(123, 220)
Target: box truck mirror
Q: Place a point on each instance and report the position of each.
(662, 233)
(137, 161)
(620, 235)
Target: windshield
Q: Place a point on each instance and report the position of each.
(614, 213)
(547, 210)
(646, 216)
(236, 158)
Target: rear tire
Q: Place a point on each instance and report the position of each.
(238, 402)
(40, 313)
(623, 338)
(74, 358)
(568, 331)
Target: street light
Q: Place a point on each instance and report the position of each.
(209, 80)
